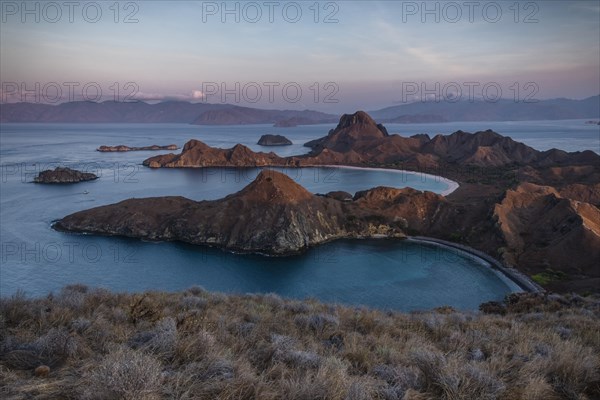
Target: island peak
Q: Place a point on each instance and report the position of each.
(274, 187)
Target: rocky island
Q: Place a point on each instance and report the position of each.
(536, 211)
(196, 154)
(274, 140)
(272, 215)
(122, 148)
(63, 175)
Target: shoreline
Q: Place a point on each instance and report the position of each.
(515, 276)
(452, 185)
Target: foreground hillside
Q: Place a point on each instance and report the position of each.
(201, 345)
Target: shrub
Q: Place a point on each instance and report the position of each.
(197, 290)
(143, 307)
(161, 340)
(297, 307)
(193, 303)
(55, 343)
(124, 374)
(72, 296)
(317, 322)
(298, 358)
(80, 325)
(357, 391)
(195, 347)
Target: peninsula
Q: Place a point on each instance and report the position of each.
(122, 148)
(272, 215)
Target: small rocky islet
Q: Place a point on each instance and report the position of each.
(63, 175)
(123, 148)
(274, 140)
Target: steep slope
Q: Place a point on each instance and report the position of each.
(544, 230)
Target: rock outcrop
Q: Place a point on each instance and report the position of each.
(274, 140)
(63, 175)
(121, 148)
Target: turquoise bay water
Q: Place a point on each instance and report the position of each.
(380, 273)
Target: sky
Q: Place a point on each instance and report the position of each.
(332, 56)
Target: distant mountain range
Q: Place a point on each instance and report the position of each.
(479, 110)
(166, 112)
(227, 114)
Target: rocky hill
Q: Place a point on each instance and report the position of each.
(359, 140)
(272, 215)
(544, 230)
(198, 154)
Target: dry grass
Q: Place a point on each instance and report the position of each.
(201, 345)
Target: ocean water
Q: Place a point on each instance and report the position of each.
(388, 274)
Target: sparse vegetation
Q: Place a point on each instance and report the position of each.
(548, 276)
(200, 345)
